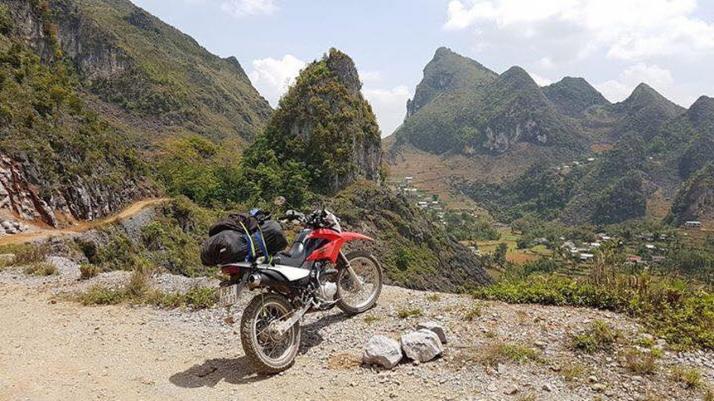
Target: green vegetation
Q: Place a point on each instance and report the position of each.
(407, 313)
(598, 337)
(464, 226)
(680, 312)
(505, 109)
(6, 23)
(88, 270)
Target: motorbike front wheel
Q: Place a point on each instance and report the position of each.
(357, 291)
(269, 351)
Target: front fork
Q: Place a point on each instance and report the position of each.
(353, 276)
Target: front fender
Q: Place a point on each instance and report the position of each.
(351, 236)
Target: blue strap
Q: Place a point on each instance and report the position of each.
(262, 245)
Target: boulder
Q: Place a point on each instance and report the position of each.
(422, 345)
(382, 351)
(437, 328)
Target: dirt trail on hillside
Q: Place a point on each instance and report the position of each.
(37, 233)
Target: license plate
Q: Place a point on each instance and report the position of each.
(228, 295)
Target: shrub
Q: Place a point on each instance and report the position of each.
(26, 254)
(641, 363)
(407, 313)
(598, 337)
(41, 269)
(690, 377)
(88, 270)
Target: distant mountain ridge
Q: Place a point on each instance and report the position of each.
(643, 147)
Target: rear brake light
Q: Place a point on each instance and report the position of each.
(230, 270)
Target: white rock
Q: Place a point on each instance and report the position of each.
(435, 327)
(422, 345)
(382, 351)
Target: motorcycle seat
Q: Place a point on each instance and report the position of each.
(294, 256)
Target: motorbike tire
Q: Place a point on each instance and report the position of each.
(263, 363)
(356, 309)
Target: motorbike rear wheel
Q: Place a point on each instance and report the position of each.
(268, 351)
(354, 299)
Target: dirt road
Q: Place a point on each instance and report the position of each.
(37, 233)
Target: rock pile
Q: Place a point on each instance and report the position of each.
(11, 227)
(422, 345)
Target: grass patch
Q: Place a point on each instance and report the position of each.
(641, 363)
(41, 269)
(88, 270)
(708, 395)
(572, 371)
(690, 377)
(598, 337)
(139, 291)
(371, 319)
(473, 313)
(407, 313)
(494, 353)
(433, 298)
(24, 254)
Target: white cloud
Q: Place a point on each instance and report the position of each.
(619, 89)
(624, 29)
(272, 77)
(389, 106)
(240, 8)
(368, 77)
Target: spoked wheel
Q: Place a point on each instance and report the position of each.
(359, 291)
(268, 351)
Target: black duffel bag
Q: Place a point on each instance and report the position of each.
(231, 246)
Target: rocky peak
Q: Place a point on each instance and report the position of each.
(448, 72)
(517, 77)
(701, 114)
(573, 95)
(325, 123)
(344, 70)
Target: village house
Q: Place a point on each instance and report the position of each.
(693, 224)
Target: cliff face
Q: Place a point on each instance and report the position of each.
(87, 90)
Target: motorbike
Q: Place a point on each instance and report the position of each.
(313, 274)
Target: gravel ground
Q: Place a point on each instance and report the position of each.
(145, 353)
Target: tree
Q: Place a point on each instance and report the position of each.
(500, 255)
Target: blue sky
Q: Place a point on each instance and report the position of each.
(614, 44)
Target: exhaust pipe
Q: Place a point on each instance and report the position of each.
(254, 281)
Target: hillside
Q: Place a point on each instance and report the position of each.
(89, 90)
(695, 200)
(148, 75)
